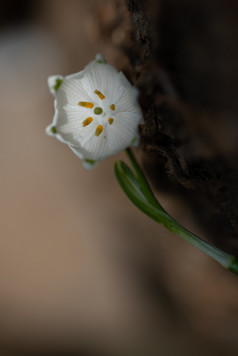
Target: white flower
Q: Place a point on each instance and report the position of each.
(96, 111)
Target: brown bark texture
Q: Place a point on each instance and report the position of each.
(184, 60)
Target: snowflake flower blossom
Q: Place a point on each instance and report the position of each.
(96, 112)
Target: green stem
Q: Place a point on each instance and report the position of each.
(142, 179)
(138, 190)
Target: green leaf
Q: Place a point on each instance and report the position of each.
(139, 192)
(145, 188)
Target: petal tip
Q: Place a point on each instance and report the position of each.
(89, 163)
(99, 59)
(51, 130)
(54, 83)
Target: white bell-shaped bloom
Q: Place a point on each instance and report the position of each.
(96, 112)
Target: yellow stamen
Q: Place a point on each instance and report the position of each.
(110, 120)
(87, 121)
(100, 95)
(112, 107)
(99, 130)
(86, 104)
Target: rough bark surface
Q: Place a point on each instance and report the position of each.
(184, 59)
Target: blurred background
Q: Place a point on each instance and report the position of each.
(82, 272)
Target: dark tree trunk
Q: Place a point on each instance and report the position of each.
(184, 57)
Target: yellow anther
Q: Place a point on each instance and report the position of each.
(112, 107)
(110, 120)
(86, 104)
(100, 95)
(87, 121)
(99, 130)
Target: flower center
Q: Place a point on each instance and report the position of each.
(99, 94)
(86, 104)
(87, 121)
(99, 130)
(98, 111)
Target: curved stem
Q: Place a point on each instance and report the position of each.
(141, 178)
(139, 192)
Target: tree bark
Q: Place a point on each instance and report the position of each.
(184, 59)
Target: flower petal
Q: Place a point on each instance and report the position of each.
(54, 83)
(96, 112)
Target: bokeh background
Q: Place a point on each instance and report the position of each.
(82, 271)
